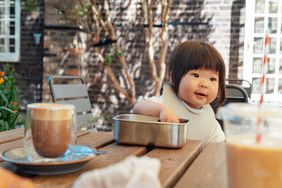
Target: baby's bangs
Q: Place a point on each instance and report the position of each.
(206, 58)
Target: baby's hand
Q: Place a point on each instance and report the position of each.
(166, 115)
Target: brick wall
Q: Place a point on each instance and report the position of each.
(217, 21)
(228, 32)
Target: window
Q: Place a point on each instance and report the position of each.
(9, 30)
(263, 16)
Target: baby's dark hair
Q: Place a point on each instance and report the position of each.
(193, 55)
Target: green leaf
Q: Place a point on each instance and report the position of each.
(109, 58)
(4, 99)
(118, 52)
(29, 5)
(7, 109)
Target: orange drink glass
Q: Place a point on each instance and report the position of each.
(252, 163)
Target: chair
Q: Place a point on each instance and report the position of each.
(244, 83)
(235, 93)
(72, 90)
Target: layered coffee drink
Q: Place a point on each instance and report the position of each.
(51, 128)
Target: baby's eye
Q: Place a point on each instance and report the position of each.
(213, 79)
(195, 75)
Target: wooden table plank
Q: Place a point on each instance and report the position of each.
(96, 140)
(208, 170)
(175, 161)
(16, 134)
(11, 135)
(12, 131)
(82, 133)
(116, 154)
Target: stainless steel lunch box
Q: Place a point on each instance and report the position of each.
(146, 130)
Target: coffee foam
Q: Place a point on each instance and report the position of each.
(51, 111)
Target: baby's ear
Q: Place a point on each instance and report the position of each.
(169, 77)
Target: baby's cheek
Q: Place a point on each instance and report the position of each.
(214, 94)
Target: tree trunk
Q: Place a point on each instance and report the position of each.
(156, 75)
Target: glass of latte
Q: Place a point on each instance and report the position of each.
(49, 129)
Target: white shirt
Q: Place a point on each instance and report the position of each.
(202, 123)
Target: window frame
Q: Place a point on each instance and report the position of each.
(12, 56)
(249, 53)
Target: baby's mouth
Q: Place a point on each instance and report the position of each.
(201, 94)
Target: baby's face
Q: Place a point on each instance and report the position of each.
(199, 87)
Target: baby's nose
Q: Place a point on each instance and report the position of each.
(203, 84)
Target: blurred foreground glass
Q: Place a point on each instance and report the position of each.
(49, 130)
(252, 164)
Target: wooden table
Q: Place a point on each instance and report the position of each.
(191, 166)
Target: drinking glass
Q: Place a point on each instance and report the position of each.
(253, 145)
(50, 129)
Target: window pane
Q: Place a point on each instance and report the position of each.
(12, 12)
(2, 28)
(12, 49)
(2, 12)
(280, 45)
(280, 66)
(270, 85)
(272, 24)
(12, 41)
(12, 45)
(273, 6)
(271, 66)
(2, 49)
(258, 45)
(12, 28)
(257, 65)
(256, 85)
(2, 42)
(280, 86)
(259, 6)
(272, 45)
(259, 24)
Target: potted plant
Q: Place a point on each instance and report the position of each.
(9, 105)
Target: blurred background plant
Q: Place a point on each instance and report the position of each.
(29, 5)
(9, 104)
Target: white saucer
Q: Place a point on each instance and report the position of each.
(73, 160)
